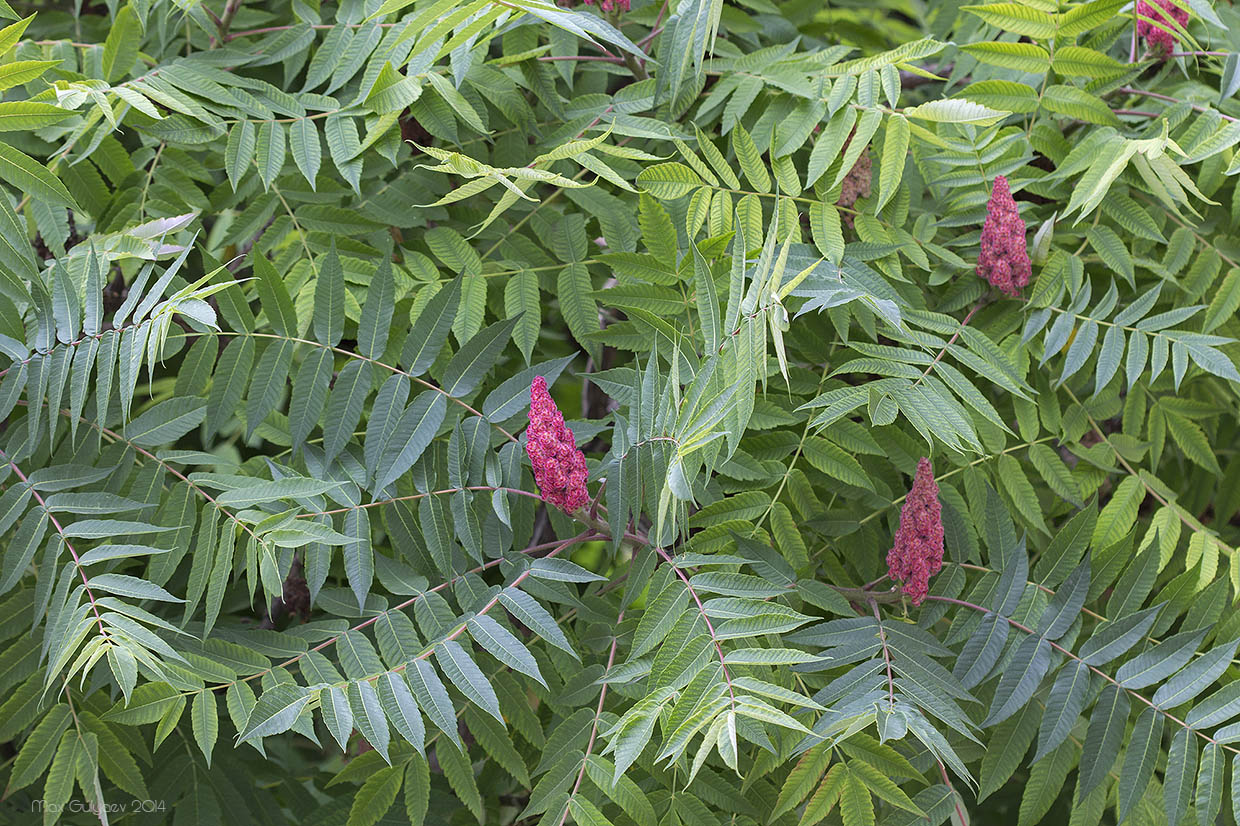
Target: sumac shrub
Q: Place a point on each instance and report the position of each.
(665, 413)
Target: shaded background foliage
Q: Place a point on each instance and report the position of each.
(275, 282)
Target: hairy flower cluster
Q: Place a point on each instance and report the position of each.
(608, 5)
(917, 553)
(1160, 38)
(559, 467)
(1004, 260)
(856, 183)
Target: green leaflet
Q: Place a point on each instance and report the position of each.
(1102, 740)
(1139, 759)
(432, 697)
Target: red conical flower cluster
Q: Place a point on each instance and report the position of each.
(559, 467)
(1160, 38)
(608, 5)
(1004, 260)
(917, 553)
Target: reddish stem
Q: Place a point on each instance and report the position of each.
(727, 677)
(1129, 90)
(77, 561)
(414, 496)
(598, 715)
(882, 636)
(1067, 653)
(583, 58)
(655, 29)
(951, 340)
(401, 606)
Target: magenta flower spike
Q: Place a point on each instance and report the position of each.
(1160, 39)
(559, 467)
(608, 5)
(1004, 259)
(917, 553)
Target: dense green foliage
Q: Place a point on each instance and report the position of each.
(275, 280)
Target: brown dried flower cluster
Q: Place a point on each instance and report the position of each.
(856, 183)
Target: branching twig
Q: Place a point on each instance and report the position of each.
(1020, 626)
